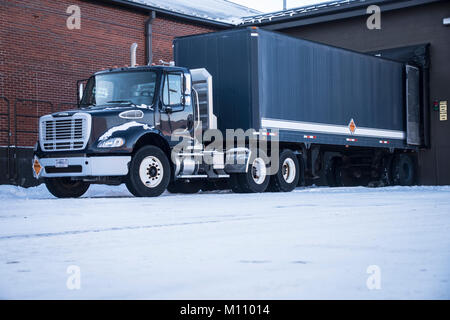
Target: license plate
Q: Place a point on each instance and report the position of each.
(61, 163)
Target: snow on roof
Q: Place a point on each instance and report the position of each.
(217, 10)
(306, 10)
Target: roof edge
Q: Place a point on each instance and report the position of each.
(164, 12)
(327, 14)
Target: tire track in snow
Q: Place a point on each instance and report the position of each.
(74, 232)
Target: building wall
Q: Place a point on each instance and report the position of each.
(403, 27)
(41, 59)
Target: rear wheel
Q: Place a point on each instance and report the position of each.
(66, 187)
(288, 174)
(403, 170)
(252, 181)
(149, 173)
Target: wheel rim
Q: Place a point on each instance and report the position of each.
(151, 171)
(259, 171)
(288, 170)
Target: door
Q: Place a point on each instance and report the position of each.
(413, 132)
(176, 115)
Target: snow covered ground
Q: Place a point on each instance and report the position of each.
(311, 243)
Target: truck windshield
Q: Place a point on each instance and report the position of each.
(120, 87)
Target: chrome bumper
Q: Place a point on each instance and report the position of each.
(80, 166)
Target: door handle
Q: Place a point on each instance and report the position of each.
(190, 122)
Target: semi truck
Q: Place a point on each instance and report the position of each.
(319, 114)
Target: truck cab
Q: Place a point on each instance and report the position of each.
(128, 123)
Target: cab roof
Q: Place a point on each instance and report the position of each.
(158, 68)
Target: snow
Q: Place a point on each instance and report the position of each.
(307, 244)
(123, 127)
(218, 10)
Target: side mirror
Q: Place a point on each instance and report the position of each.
(187, 84)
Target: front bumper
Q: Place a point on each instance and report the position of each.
(80, 166)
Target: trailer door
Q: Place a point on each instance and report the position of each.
(413, 135)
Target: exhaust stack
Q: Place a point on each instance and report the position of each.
(133, 54)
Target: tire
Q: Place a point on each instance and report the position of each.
(288, 173)
(333, 172)
(184, 187)
(149, 173)
(403, 170)
(66, 188)
(253, 181)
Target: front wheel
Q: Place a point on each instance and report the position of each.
(66, 187)
(149, 173)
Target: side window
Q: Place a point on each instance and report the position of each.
(172, 89)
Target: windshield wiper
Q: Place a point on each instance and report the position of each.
(120, 101)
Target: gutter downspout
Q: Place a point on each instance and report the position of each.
(148, 38)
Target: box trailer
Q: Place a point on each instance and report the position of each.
(311, 92)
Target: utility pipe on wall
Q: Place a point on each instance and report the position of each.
(133, 54)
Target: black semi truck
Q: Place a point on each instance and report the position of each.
(326, 115)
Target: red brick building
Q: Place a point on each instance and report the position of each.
(41, 59)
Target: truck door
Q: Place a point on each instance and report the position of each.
(413, 135)
(176, 115)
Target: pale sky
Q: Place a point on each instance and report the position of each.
(275, 5)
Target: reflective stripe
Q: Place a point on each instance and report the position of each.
(331, 129)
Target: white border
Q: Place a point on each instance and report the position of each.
(331, 129)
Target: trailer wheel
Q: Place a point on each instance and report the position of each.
(184, 186)
(288, 173)
(149, 172)
(333, 172)
(66, 187)
(403, 170)
(254, 180)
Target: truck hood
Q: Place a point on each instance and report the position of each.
(101, 110)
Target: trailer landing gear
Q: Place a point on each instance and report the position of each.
(333, 172)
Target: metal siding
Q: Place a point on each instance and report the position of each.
(226, 55)
(274, 76)
(306, 81)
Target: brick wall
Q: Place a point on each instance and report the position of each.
(41, 59)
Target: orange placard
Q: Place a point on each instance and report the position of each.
(37, 167)
(352, 126)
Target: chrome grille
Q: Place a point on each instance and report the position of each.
(65, 133)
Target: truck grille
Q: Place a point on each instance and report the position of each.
(64, 133)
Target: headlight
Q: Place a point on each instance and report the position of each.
(111, 143)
